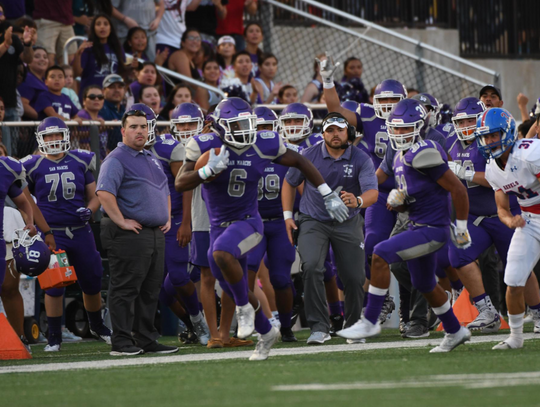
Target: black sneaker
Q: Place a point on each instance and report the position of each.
(388, 307)
(188, 337)
(157, 347)
(26, 344)
(416, 331)
(102, 333)
(336, 322)
(128, 350)
(287, 335)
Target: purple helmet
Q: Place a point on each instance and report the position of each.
(266, 115)
(31, 254)
(53, 125)
(186, 113)
(235, 122)
(432, 106)
(467, 108)
(494, 120)
(351, 105)
(406, 113)
(151, 120)
(389, 88)
(294, 132)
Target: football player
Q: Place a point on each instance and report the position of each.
(423, 181)
(64, 187)
(231, 197)
(513, 169)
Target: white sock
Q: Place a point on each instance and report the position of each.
(516, 330)
(196, 318)
(275, 314)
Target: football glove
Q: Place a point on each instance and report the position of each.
(84, 214)
(460, 234)
(327, 68)
(335, 207)
(460, 171)
(216, 163)
(396, 198)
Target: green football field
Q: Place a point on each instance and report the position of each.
(380, 373)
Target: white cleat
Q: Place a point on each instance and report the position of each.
(201, 329)
(266, 341)
(361, 329)
(52, 348)
(452, 341)
(353, 341)
(513, 342)
(245, 315)
(486, 322)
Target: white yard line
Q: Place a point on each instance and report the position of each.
(307, 350)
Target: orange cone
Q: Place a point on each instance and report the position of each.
(11, 346)
(466, 312)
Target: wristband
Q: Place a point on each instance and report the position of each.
(361, 203)
(49, 232)
(287, 215)
(324, 189)
(204, 174)
(461, 224)
(328, 85)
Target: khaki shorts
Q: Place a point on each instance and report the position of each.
(53, 35)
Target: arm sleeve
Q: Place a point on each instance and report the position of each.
(14, 191)
(110, 176)
(387, 164)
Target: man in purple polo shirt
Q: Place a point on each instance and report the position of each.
(348, 169)
(132, 189)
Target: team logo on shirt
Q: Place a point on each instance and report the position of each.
(514, 168)
(267, 134)
(348, 170)
(156, 162)
(206, 137)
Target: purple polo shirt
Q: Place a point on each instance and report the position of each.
(137, 180)
(353, 171)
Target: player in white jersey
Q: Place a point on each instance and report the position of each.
(514, 168)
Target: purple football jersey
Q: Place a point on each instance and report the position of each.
(59, 186)
(11, 171)
(416, 173)
(446, 129)
(232, 195)
(311, 140)
(169, 150)
(481, 199)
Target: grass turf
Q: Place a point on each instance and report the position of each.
(240, 382)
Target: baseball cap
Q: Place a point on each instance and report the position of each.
(334, 119)
(226, 39)
(112, 78)
(490, 87)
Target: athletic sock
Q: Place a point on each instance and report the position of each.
(285, 319)
(483, 302)
(334, 308)
(515, 340)
(342, 306)
(262, 324)
(446, 315)
(376, 297)
(94, 317)
(239, 291)
(55, 330)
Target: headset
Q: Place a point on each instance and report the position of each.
(351, 130)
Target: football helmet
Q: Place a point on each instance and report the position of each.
(53, 125)
(432, 106)
(266, 115)
(467, 108)
(351, 105)
(296, 111)
(186, 113)
(494, 120)
(406, 113)
(389, 88)
(30, 253)
(151, 120)
(235, 122)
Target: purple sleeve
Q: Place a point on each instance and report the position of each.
(14, 191)
(110, 176)
(43, 102)
(88, 177)
(366, 177)
(436, 172)
(359, 123)
(295, 177)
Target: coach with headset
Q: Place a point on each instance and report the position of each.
(348, 170)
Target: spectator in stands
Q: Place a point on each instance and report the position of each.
(93, 101)
(491, 96)
(136, 44)
(54, 20)
(233, 25)
(20, 26)
(70, 83)
(147, 16)
(53, 103)
(101, 55)
(522, 101)
(149, 95)
(181, 61)
(267, 71)
(225, 53)
(114, 108)
(313, 90)
(253, 36)
(210, 73)
(205, 18)
(287, 95)
(205, 53)
(22, 71)
(33, 85)
(243, 82)
(85, 10)
(147, 74)
(181, 93)
(11, 48)
(351, 83)
(523, 128)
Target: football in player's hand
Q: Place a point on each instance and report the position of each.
(203, 160)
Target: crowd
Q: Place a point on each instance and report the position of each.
(369, 195)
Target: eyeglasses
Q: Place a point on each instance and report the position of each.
(193, 38)
(94, 97)
(335, 120)
(138, 113)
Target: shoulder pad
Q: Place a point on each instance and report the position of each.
(14, 167)
(425, 156)
(88, 158)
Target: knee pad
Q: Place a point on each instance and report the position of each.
(55, 292)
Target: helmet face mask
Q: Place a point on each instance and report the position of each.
(464, 133)
(240, 132)
(186, 113)
(49, 126)
(493, 121)
(382, 110)
(467, 108)
(407, 114)
(295, 132)
(387, 89)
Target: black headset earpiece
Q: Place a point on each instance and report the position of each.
(351, 133)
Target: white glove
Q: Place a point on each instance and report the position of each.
(396, 198)
(335, 207)
(460, 171)
(216, 163)
(460, 234)
(327, 69)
